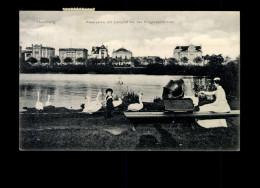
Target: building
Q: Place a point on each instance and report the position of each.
(146, 60)
(74, 54)
(190, 52)
(99, 52)
(39, 51)
(122, 53)
(27, 54)
(166, 61)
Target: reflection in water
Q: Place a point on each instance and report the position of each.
(70, 90)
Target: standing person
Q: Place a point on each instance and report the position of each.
(109, 102)
(220, 105)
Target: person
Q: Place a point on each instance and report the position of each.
(219, 105)
(109, 102)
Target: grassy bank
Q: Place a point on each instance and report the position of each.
(101, 134)
(96, 132)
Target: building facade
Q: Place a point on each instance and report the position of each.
(27, 54)
(39, 51)
(122, 53)
(99, 52)
(190, 52)
(74, 54)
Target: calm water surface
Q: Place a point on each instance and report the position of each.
(70, 90)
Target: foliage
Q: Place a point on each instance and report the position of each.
(81, 59)
(197, 59)
(68, 60)
(130, 97)
(158, 60)
(55, 60)
(206, 57)
(44, 60)
(184, 59)
(136, 62)
(216, 60)
(32, 60)
(157, 99)
(173, 61)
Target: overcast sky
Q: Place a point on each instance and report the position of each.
(217, 32)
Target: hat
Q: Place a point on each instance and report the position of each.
(217, 78)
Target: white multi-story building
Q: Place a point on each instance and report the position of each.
(73, 53)
(99, 52)
(39, 51)
(122, 53)
(190, 52)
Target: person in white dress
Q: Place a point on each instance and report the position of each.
(220, 105)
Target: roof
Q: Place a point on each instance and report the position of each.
(44, 47)
(26, 51)
(103, 47)
(72, 49)
(122, 50)
(95, 49)
(152, 56)
(185, 48)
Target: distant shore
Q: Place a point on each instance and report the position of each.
(228, 73)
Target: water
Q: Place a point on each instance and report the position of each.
(70, 90)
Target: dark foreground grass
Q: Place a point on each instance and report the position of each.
(95, 132)
(90, 134)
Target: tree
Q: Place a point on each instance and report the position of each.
(136, 62)
(54, 61)
(150, 61)
(107, 60)
(44, 60)
(206, 57)
(158, 60)
(227, 59)
(32, 60)
(237, 60)
(173, 61)
(68, 60)
(81, 59)
(216, 60)
(184, 59)
(197, 59)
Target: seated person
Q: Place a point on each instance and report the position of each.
(220, 105)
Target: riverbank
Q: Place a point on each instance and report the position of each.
(96, 132)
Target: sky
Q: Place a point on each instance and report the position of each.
(144, 33)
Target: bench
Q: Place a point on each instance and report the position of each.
(161, 117)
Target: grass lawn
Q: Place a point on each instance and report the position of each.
(98, 133)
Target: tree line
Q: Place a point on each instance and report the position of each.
(215, 67)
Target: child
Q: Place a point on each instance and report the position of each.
(109, 102)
